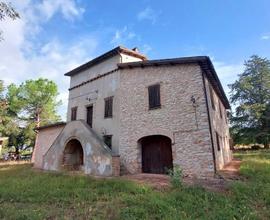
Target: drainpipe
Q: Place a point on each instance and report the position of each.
(209, 121)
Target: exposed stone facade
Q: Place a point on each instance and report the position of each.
(219, 124)
(186, 125)
(185, 115)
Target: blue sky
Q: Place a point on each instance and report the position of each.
(54, 36)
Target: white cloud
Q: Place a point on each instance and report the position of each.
(146, 49)
(22, 59)
(265, 37)
(148, 14)
(68, 8)
(122, 36)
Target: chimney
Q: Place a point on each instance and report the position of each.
(135, 49)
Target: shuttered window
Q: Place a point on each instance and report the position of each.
(154, 96)
(73, 113)
(218, 141)
(212, 97)
(108, 111)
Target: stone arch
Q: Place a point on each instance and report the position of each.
(156, 153)
(73, 155)
(97, 157)
(158, 131)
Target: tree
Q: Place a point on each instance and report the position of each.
(29, 105)
(3, 106)
(251, 96)
(7, 10)
(36, 100)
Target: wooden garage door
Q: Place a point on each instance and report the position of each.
(156, 154)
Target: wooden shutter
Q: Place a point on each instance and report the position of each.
(74, 114)
(154, 96)
(108, 111)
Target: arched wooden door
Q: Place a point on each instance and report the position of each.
(156, 154)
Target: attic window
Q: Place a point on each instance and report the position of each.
(154, 96)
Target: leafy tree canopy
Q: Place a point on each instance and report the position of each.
(251, 96)
(7, 11)
(29, 105)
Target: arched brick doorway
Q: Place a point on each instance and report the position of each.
(156, 154)
(73, 155)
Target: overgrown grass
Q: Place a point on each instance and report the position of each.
(29, 194)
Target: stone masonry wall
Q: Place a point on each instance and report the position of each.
(185, 124)
(220, 125)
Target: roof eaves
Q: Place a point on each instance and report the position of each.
(96, 60)
(51, 125)
(99, 59)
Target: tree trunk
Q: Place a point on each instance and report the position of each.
(266, 145)
(17, 152)
(35, 141)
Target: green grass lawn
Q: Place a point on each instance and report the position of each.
(29, 194)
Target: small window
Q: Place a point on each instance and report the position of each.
(154, 96)
(89, 115)
(212, 97)
(218, 141)
(220, 110)
(108, 140)
(226, 116)
(108, 111)
(74, 114)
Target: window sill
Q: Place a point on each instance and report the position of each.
(108, 117)
(154, 108)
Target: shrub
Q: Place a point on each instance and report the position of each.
(255, 147)
(176, 175)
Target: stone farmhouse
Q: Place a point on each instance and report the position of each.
(128, 114)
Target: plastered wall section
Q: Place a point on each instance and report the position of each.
(44, 140)
(95, 92)
(219, 121)
(185, 124)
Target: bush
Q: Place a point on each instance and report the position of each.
(176, 175)
(255, 147)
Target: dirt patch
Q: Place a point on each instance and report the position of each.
(3, 163)
(220, 183)
(231, 170)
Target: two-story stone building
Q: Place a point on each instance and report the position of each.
(147, 115)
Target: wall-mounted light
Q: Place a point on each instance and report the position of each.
(193, 101)
(103, 131)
